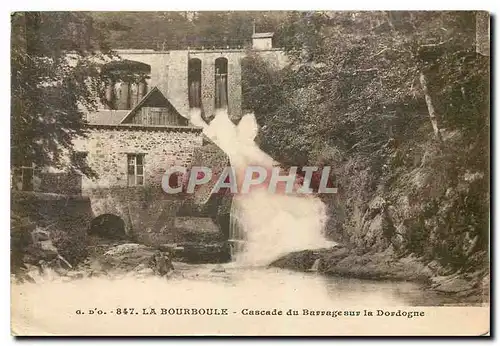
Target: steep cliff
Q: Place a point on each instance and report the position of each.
(417, 210)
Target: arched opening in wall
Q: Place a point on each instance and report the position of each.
(126, 83)
(220, 83)
(194, 82)
(108, 226)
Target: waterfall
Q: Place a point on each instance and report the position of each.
(264, 225)
(315, 266)
(274, 225)
(221, 91)
(236, 231)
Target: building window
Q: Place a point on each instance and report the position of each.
(194, 83)
(80, 156)
(125, 84)
(125, 95)
(135, 169)
(23, 178)
(220, 83)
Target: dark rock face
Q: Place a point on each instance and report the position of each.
(341, 261)
(204, 253)
(66, 218)
(208, 155)
(301, 261)
(129, 255)
(417, 197)
(417, 210)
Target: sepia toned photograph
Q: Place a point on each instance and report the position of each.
(257, 173)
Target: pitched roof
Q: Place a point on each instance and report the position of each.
(151, 92)
(117, 117)
(106, 117)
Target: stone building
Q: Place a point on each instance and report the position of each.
(141, 126)
(141, 129)
(133, 148)
(203, 78)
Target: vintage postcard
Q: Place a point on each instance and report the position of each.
(250, 173)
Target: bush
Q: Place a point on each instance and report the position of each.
(20, 239)
(71, 240)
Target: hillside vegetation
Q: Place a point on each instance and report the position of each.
(398, 105)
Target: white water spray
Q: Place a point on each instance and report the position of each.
(270, 224)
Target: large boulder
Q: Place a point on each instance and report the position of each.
(126, 257)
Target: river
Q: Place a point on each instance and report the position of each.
(272, 225)
(222, 284)
(53, 305)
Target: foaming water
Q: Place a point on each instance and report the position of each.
(50, 307)
(275, 225)
(271, 224)
(35, 306)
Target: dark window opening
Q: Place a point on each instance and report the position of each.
(108, 226)
(126, 84)
(22, 178)
(220, 83)
(194, 83)
(27, 178)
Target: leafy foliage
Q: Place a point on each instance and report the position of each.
(181, 29)
(352, 98)
(56, 59)
(354, 77)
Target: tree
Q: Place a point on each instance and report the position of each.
(56, 59)
(180, 30)
(384, 97)
(358, 76)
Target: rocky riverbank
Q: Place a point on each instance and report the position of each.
(65, 248)
(470, 287)
(118, 259)
(115, 260)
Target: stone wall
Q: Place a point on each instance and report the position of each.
(60, 183)
(207, 83)
(208, 78)
(47, 209)
(169, 71)
(159, 62)
(108, 146)
(145, 210)
(153, 217)
(177, 82)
